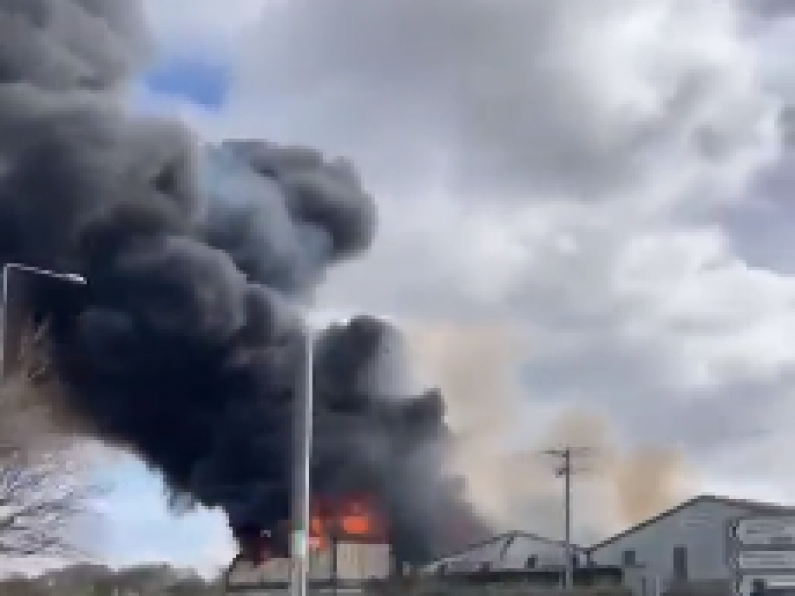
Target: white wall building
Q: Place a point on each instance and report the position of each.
(686, 543)
(514, 550)
(355, 562)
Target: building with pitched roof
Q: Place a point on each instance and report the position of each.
(510, 551)
(688, 543)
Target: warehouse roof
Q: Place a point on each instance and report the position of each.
(503, 548)
(752, 507)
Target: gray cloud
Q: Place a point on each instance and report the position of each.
(772, 8)
(522, 97)
(208, 24)
(761, 226)
(622, 134)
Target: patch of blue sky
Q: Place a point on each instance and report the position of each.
(198, 79)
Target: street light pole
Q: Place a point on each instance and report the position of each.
(302, 464)
(18, 280)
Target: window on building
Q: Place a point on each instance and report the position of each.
(532, 562)
(758, 587)
(628, 558)
(680, 563)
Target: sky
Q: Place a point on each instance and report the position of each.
(606, 180)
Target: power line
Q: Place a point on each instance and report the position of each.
(565, 471)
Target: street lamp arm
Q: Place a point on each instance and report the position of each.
(74, 278)
(17, 308)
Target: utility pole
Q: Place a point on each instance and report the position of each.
(565, 470)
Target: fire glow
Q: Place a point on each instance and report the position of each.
(352, 518)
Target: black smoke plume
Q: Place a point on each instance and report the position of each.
(183, 347)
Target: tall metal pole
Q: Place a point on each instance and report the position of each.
(302, 462)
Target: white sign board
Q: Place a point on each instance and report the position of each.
(766, 531)
(762, 547)
(766, 560)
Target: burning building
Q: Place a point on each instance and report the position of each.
(348, 544)
(348, 518)
(200, 259)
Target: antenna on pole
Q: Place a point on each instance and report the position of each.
(565, 470)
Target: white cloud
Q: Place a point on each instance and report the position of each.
(137, 525)
(204, 23)
(565, 167)
(611, 130)
(527, 97)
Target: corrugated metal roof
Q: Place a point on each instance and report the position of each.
(511, 545)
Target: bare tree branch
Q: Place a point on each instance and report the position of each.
(41, 498)
(43, 490)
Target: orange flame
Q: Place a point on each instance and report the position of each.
(318, 540)
(351, 518)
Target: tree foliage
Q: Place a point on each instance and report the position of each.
(98, 580)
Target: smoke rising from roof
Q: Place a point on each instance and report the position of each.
(185, 346)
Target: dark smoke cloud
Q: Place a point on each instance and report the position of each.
(185, 346)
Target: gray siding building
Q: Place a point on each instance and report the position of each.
(687, 543)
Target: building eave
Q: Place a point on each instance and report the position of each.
(752, 506)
